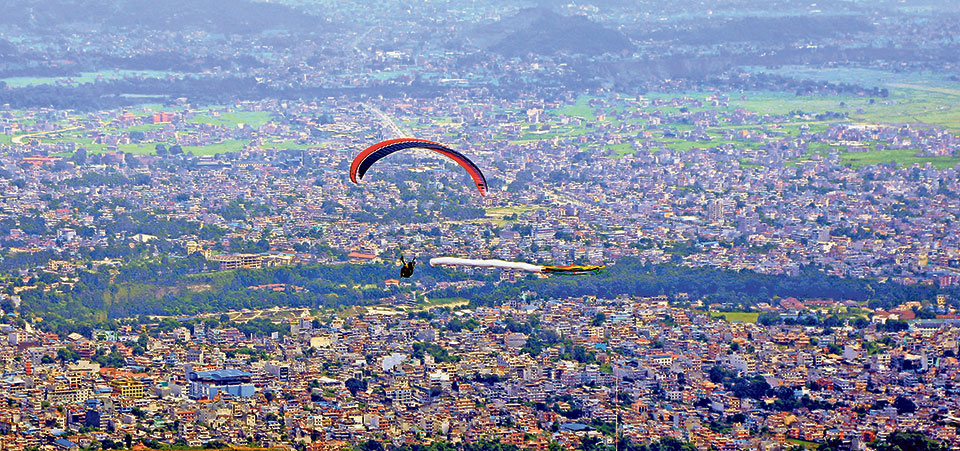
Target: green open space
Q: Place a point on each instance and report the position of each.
(684, 145)
(254, 119)
(150, 148)
(83, 77)
(914, 98)
(580, 109)
(532, 136)
(501, 212)
(780, 103)
(230, 145)
(865, 77)
(804, 443)
(6, 139)
(144, 128)
(282, 145)
(444, 302)
(134, 148)
(743, 317)
(914, 106)
(823, 148)
(903, 157)
(747, 163)
(621, 149)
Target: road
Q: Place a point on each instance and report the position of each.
(355, 44)
(19, 139)
(393, 130)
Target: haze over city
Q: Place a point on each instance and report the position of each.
(479, 225)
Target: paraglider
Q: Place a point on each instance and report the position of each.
(518, 266)
(407, 269)
(370, 155)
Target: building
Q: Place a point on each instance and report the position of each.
(279, 371)
(237, 261)
(255, 261)
(715, 211)
(162, 117)
(209, 384)
(127, 387)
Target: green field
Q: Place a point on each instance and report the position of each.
(282, 145)
(230, 145)
(529, 137)
(134, 148)
(914, 98)
(581, 109)
(150, 148)
(6, 139)
(254, 119)
(621, 149)
(144, 128)
(804, 443)
(83, 77)
(862, 76)
(779, 103)
(903, 157)
(501, 212)
(747, 163)
(916, 105)
(444, 302)
(743, 317)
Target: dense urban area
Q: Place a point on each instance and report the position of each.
(772, 191)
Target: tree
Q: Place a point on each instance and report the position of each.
(598, 319)
(130, 160)
(904, 405)
(592, 444)
(902, 441)
(67, 355)
(7, 305)
(355, 385)
(79, 157)
(833, 444)
(672, 444)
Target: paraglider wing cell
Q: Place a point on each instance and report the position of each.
(573, 269)
(490, 263)
(365, 159)
(519, 266)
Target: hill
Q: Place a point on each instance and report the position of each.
(228, 16)
(542, 32)
(766, 30)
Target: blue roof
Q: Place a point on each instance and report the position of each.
(64, 443)
(574, 426)
(223, 374)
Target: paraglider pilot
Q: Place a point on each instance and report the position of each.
(407, 269)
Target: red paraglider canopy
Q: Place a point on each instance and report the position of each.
(370, 155)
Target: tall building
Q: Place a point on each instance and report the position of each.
(715, 211)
